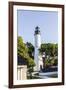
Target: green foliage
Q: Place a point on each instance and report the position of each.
(22, 51)
(47, 63)
(51, 62)
(56, 49)
(30, 62)
(55, 62)
(50, 49)
(30, 49)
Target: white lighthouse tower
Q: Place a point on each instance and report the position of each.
(37, 46)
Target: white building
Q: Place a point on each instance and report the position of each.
(38, 60)
(21, 72)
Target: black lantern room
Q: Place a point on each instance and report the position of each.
(37, 31)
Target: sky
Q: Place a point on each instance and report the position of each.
(46, 20)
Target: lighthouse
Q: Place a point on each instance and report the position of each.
(37, 37)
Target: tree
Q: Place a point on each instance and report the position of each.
(49, 48)
(56, 49)
(30, 49)
(22, 51)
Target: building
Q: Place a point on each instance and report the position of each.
(37, 58)
(21, 69)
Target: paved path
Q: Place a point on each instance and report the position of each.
(48, 73)
(43, 75)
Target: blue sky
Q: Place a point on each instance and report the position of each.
(46, 20)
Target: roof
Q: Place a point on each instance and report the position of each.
(21, 61)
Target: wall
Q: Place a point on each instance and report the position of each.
(4, 44)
